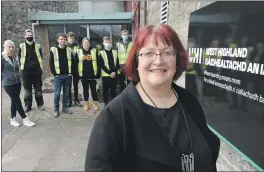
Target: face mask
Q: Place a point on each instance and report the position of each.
(107, 46)
(86, 47)
(125, 37)
(29, 39)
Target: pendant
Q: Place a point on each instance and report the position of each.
(187, 162)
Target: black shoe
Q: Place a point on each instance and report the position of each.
(67, 111)
(42, 108)
(27, 109)
(56, 114)
(77, 103)
(70, 104)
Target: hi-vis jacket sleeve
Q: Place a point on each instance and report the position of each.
(51, 64)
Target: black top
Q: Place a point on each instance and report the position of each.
(88, 70)
(112, 66)
(127, 138)
(63, 61)
(31, 64)
(178, 135)
(11, 58)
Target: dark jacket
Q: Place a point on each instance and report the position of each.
(63, 62)
(112, 66)
(125, 139)
(32, 65)
(10, 71)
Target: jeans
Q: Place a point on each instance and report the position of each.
(14, 91)
(63, 80)
(36, 81)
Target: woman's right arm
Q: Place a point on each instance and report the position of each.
(2, 65)
(104, 152)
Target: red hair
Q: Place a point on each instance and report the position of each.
(168, 36)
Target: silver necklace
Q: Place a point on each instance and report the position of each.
(187, 160)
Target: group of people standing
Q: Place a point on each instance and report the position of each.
(69, 63)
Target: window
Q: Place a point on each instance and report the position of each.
(52, 31)
(116, 34)
(97, 32)
(79, 30)
(164, 12)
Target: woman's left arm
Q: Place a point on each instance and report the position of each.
(104, 148)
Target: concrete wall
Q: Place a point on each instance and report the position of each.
(153, 12)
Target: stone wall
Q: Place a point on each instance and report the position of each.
(15, 21)
(15, 15)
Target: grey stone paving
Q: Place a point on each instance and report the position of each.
(52, 145)
(60, 144)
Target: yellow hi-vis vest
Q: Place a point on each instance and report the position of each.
(23, 55)
(75, 49)
(80, 64)
(104, 56)
(123, 53)
(56, 59)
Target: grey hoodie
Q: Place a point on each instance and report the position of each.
(9, 70)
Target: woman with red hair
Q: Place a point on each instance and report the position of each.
(153, 125)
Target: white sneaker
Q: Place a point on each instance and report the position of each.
(28, 122)
(14, 122)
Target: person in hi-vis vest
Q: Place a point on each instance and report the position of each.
(109, 64)
(123, 48)
(61, 67)
(30, 58)
(88, 70)
(75, 79)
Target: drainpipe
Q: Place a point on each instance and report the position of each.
(33, 29)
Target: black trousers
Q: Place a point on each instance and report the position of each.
(14, 91)
(75, 81)
(123, 81)
(92, 84)
(109, 84)
(36, 81)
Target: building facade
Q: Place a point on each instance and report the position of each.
(47, 18)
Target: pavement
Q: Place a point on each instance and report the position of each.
(60, 144)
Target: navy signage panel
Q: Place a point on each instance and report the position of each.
(226, 71)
